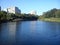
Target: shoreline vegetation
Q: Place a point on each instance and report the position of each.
(50, 19)
(52, 15)
(10, 17)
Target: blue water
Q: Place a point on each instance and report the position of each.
(30, 33)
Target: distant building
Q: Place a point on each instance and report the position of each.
(0, 8)
(33, 12)
(14, 10)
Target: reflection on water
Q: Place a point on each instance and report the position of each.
(12, 31)
(30, 33)
(8, 32)
(32, 26)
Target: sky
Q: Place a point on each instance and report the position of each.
(27, 6)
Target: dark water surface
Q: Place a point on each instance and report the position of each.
(30, 33)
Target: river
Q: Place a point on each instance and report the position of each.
(30, 33)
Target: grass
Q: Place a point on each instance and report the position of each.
(50, 19)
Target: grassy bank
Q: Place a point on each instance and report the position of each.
(50, 19)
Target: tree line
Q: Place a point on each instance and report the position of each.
(53, 13)
(4, 16)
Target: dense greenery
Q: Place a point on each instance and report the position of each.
(51, 15)
(4, 16)
(55, 13)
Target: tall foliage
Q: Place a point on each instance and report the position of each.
(52, 13)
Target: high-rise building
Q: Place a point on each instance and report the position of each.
(0, 8)
(14, 10)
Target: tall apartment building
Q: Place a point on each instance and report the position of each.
(14, 10)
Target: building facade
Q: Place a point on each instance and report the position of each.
(14, 10)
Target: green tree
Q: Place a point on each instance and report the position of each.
(3, 15)
(57, 13)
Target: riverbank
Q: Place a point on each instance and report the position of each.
(10, 20)
(16, 20)
(50, 19)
